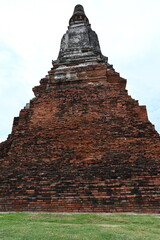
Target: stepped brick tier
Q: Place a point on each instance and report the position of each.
(82, 144)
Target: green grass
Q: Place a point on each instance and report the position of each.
(47, 226)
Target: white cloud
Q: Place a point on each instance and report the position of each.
(30, 34)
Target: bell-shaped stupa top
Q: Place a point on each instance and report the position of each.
(78, 15)
(80, 43)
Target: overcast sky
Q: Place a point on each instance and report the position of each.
(30, 35)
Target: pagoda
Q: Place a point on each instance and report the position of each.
(82, 144)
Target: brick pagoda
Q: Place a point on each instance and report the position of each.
(82, 144)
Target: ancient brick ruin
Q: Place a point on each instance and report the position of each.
(82, 144)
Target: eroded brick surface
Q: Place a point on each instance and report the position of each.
(83, 145)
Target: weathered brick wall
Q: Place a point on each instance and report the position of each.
(83, 145)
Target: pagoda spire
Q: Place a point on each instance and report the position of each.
(78, 15)
(80, 43)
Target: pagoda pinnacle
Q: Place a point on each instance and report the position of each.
(80, 43)
(78, 15)
(78, 9)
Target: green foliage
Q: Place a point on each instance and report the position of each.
(66, 226)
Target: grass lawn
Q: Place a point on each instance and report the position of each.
(55, 226)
